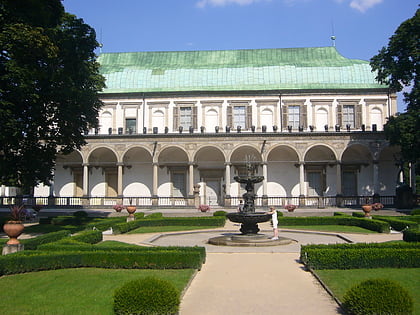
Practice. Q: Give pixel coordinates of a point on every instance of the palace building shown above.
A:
(177, 126)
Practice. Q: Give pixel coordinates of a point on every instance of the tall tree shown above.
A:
(398, 65)
(49, 84)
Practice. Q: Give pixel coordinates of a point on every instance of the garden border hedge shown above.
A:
(27, 261)
(411, 235)
(175, 221)
(370, 224)
(361, 258)
(361, 255)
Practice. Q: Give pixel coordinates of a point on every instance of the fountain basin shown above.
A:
(249, 220)
(259, 240)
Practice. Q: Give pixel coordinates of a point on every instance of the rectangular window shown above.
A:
(239, 116)
(348, 115)
(293, 116)
(131, 125)
(185, 117)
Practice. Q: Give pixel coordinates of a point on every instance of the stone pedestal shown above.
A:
(12, 248)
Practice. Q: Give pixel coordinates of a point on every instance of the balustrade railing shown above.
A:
(147, 202)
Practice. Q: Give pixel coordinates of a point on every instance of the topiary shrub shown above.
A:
(219, 213)
(377, 296)
(149, 295)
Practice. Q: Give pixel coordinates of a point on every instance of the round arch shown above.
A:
(138, 172)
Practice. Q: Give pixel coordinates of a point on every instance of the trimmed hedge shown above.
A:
(361, 255)
(370, 224)
(27, 261)
(393, 244)
(148, 295)
(362, 258)
(105, 224)
(80, 247)
(34, 243)
(219, 213)
(91, 237)
(176, 221)
(415, 212)
(411, 235)
(396, 223)
(156, 215)
(69, 220)
(377, 296)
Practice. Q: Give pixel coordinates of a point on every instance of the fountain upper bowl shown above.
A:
(248, 217)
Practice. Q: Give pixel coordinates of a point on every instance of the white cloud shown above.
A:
(363, 5)
(220, 3)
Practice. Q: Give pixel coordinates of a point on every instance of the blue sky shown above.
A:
(361, 27)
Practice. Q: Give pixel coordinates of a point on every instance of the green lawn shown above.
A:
(329, 228)
(73, 291)
(339, 281)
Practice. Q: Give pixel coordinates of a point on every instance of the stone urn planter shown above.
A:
(13, 230)
(131, 210)
(14, 227)
(367, 209)
(290, 208)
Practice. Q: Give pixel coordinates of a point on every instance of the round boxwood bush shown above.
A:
(377, 296)
(148, 295)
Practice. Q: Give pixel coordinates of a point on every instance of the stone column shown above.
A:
(227, 183)
(191, 183)
(191, 178)
(120, 179)
(338, 178)
(302, 191)
(155, 184)
(85, 179)
(264, 183)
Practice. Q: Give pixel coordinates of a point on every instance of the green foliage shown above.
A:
(27, 261)
(175, 221)
(396, 223)
(355, 256)
(219, 213)
(41, 91)
(105, 224)
(91, 237)
(373, 225)
(397, 65)
(411, 235)
(80, 214)
(378, 296)
(149, 295)
(70, 220)
(33, 243)
(415, 212)
(338, 214)
(156, 215)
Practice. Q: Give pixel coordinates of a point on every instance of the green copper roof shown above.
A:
(227, 70)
